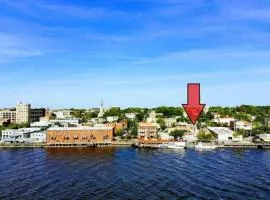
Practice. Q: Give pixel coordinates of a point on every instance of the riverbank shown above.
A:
(131, 143)
(43, 145)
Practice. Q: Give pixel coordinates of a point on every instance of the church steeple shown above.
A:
(101, 104)
(101, 110)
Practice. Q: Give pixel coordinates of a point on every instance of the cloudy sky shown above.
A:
(70, 53)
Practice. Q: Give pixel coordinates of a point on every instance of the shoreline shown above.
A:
(230, 146)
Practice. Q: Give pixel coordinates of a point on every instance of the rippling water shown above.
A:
(127, 173)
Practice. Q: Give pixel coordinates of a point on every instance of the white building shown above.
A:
(190, 137)
(66, 122)
(23, 135)
(131, 116)
(23, 113)
(112, 118)
(241, 125)
(170, 122)
(41, 124)
(265, 137)
(165, 136)
(152, 118)
(62, 114)
(38, 137)
(224, 120)
(225, 134)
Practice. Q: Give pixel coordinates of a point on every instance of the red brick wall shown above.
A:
(79, 136)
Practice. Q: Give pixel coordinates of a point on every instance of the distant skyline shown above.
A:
(134, 53)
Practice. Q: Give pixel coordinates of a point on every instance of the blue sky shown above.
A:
(67, 53)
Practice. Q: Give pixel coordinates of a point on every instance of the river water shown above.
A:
(128, 173)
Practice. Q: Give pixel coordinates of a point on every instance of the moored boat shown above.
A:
(177, 145)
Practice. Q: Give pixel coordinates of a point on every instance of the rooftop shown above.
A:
(79, 128)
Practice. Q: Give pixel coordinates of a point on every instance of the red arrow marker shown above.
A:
(193, 108)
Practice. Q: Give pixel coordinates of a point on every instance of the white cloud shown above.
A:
(13, 48)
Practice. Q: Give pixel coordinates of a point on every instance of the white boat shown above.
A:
(201, 145)
(163, 145)
(177, 145)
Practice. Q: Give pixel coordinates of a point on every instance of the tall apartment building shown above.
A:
(22, 114)
(147, 130)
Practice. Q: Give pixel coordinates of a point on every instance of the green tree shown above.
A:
(169, 111)
(119, 133)
(113, 112)
(140, 116)
(133, 127)
(162, 123)
(177, 134)
(204, 137)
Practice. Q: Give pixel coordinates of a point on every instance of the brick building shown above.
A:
(147, 131)
(79, 135)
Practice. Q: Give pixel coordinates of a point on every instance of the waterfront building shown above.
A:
(236, 125)
(23, 135)
(117, 126)
(147, 130)
(38, 137)
(190, 137)
(265, 137)
(225, 134)
(79, 135)
(165, 136)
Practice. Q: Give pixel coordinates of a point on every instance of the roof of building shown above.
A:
(146, 124)
(220, 130)
(79, 128)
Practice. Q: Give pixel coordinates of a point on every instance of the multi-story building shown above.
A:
(147, 130)
(235, 125)
(8, 114)
(23, 135)
(79, 135)
(36, 114)
(22, 114)
(62, 114)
